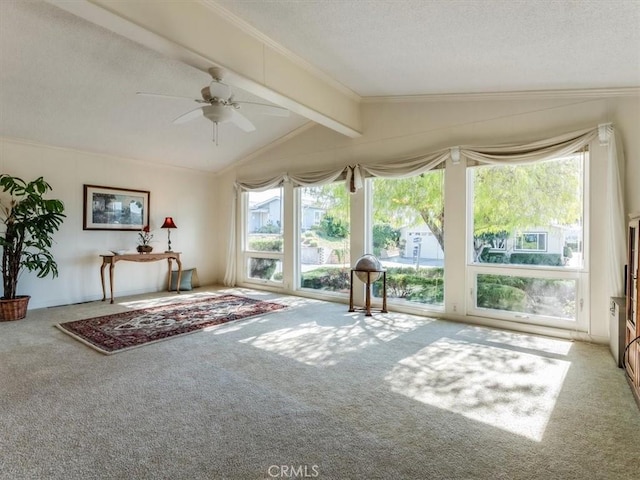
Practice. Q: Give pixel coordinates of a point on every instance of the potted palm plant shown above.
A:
(29, 220)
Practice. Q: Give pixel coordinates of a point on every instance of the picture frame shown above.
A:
(112, 208)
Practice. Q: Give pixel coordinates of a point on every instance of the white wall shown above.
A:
(185, 195)
(394, 130)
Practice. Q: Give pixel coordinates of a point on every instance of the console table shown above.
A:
(138, 257)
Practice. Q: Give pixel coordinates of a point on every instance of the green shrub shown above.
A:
(487, 256)
(424, 285)
(270, 227)
(399, 285)
(544, 296)
(554, 259)
(331, 227)
(501, 297)
(385, 236)
(326, 278)
(262, 268)
(431, 291)
(266, 244)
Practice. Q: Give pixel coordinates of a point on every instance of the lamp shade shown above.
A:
(168, 223)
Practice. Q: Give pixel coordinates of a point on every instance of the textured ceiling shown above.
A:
(413, 47)
(67, 82)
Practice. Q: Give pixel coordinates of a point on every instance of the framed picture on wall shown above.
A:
(110, 208)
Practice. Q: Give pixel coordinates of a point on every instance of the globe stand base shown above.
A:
(368, 282)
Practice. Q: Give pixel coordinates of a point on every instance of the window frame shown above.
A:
(245, 254)
(537, 234)
(400, 303)
(297, 241)
(579, 274)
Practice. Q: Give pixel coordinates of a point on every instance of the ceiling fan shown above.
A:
(219, 106)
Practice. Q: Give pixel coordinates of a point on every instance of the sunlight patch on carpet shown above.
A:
(318, 344)
(507, 389)
(165, 300)
(519, 340)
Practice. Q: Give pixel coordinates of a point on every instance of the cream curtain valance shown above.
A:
(541, 150)
(261, 185)
(492, 154)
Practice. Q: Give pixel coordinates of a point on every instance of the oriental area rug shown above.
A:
(123, 331)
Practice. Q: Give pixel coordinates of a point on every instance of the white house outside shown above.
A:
(269, 212)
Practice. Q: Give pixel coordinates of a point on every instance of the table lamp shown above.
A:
(168, 224)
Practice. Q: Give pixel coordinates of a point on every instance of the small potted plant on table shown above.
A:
(29, 220)
(144, 240)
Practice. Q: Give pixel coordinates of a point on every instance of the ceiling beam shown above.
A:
(197, 34)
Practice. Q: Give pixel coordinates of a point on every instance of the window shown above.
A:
(531, 241)
(534, 212)
(263, 239)
(324, 238)
(527, 295)
(408, 236)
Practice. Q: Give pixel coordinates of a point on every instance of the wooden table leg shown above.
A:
(384, 292)
(104, 292)
(368, 296)
(179, 274)
(179, 279)
(111, 273)
(351, 309)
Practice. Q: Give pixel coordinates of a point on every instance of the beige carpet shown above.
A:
(311, 391)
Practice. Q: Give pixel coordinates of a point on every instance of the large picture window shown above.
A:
(535, 213)
(324, 238)
(517, 240)
(263, 239)
(408, 236)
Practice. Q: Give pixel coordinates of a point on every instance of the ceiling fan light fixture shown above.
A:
(217, 113)
(220, 106)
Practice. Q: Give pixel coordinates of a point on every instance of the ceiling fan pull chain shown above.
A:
(215, 133)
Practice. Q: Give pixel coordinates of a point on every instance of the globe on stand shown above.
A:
(369, 269)
(368, 265)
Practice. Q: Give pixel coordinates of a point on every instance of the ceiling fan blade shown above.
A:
(264, 109)
(241, 121)
(191, 115)
(162, 95)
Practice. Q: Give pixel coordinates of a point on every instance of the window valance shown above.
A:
(354, 175)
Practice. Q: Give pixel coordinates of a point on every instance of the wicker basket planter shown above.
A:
(15, 309)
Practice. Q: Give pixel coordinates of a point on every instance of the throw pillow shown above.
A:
(185, 281)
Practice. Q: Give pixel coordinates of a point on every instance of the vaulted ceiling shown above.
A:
(69, 71)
